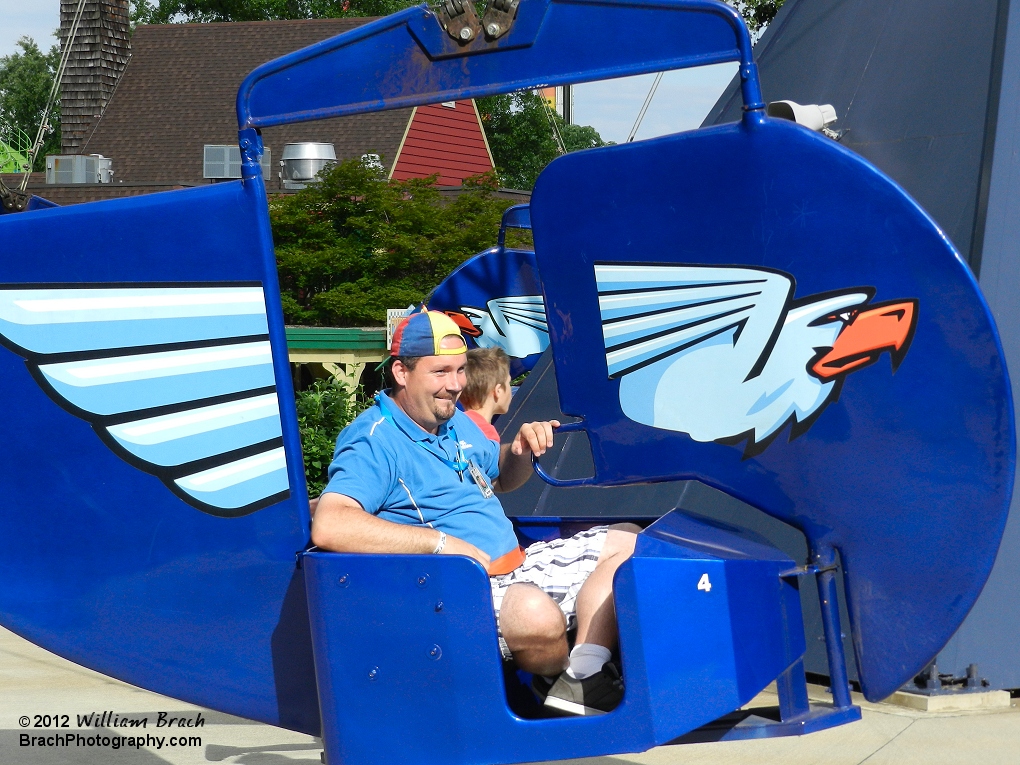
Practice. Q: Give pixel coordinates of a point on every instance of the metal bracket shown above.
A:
(13, 200)
(811, 569)
(499, 17)
(931, 682)
(459, 19)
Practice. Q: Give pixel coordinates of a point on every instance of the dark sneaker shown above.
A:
(594, 695)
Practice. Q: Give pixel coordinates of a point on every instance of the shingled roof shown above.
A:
(178, 90)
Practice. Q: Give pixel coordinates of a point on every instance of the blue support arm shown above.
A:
(407, 59)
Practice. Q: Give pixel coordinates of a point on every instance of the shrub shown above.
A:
(323, 410)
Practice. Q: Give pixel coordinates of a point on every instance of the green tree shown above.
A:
(25, 82)
(521, 139)
(355, 243)
(757, 13)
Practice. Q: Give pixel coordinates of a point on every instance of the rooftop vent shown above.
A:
(301, 162)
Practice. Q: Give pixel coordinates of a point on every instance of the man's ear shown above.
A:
(399, 372)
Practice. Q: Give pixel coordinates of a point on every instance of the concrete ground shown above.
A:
(35, 682)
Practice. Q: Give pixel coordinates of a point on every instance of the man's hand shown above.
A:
(534, 437)
(455, 546)
(515, 457)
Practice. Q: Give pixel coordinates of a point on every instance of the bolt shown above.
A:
(423, 581)
(439, 606)
(465, 34)
(344, 581)
(492, 29)
(436, 652)
(373, 673)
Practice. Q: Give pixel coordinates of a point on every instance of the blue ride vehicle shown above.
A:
(719, 306)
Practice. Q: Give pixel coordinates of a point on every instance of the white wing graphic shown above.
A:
(178, 381)
(516, 324)
(651, 312)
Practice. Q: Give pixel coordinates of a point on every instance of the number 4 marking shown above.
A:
(704, 583)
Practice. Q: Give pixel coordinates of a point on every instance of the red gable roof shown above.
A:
(444, 138)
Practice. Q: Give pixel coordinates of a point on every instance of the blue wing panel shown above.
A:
(866, 403)
(167, 559)
(496, 296)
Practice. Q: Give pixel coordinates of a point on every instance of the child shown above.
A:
(487, 392)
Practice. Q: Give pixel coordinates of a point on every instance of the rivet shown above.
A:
(373, 673)
(344, 581)
(423, 581)
(439, 606)
(436, 653)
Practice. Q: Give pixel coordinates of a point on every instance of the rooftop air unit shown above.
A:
(223, 161)
(301, 162)
(79, 168)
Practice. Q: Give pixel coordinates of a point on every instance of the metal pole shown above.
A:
(568, 104)
(54, 89)
(828, 599)
(644, 107)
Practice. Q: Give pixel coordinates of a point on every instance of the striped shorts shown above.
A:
(558, 568)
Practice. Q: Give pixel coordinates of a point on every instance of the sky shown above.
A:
(681, 101)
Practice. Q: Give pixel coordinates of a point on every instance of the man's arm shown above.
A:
(515, 458)
(341, 524)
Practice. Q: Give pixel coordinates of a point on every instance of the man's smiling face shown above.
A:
(428, 393)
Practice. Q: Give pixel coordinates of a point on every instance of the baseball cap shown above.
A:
(422, 333)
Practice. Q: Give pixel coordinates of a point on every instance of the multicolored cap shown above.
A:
(422, 333)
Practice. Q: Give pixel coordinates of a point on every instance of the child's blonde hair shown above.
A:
(486, 368)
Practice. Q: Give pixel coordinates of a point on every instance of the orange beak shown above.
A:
(462, 321)
(885, 327)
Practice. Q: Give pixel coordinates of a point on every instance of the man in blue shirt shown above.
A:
(413, 474)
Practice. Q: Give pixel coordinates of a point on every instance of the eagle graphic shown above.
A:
(726, 354)
(516, 324)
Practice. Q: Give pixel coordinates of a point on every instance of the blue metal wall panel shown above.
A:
(989, 635)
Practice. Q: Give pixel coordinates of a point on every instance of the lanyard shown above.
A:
(460, 465)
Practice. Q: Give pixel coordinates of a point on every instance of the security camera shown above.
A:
(812, 116)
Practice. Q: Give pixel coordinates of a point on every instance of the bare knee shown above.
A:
(530, 613)
(534, 629)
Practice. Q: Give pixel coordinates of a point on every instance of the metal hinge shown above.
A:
(459, 19)
(499, 17)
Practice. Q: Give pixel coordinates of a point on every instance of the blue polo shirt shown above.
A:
(392, 467)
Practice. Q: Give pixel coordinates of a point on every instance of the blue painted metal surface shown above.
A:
(211, 609)
(496, 298)
(142, 374)
(518, 216)
(674, 320)
(412, 640)
(407, 60)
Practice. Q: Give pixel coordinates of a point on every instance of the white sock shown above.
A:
(587, 659)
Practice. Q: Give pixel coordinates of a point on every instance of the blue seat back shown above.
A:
(757, 308)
